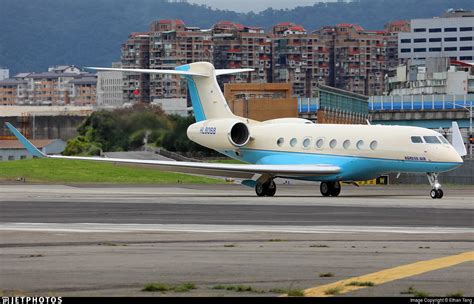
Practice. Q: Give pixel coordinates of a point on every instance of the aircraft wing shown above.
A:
(216, 169)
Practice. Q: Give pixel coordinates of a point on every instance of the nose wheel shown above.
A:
(267, 188)
(330, 188)
(436, 191)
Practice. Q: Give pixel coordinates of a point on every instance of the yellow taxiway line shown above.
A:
(388, 275)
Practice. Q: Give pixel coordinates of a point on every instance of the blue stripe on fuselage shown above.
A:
(195, 99)
(352, 167)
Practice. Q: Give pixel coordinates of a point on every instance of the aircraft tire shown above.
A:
(440, 193)
(326, 188)
(434, 193)
(261, 189)
(271, 188)
(336, 189)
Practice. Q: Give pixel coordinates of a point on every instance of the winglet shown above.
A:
(458, 142)
(25, 142)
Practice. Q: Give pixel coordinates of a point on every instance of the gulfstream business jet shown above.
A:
(295, 148)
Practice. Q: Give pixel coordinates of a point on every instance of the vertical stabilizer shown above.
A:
(206, 96)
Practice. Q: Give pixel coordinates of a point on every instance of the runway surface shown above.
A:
(109, 240)
(165, 211)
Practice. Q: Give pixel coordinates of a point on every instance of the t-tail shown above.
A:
(206, 95)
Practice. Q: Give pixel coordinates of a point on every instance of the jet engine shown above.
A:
(220, 134)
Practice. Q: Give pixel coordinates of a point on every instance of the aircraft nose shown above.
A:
(455, 157)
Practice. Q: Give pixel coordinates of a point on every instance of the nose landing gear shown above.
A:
(436, 191)
(330, 188)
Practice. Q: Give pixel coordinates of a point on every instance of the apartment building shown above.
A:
(172, 43)
(12, 91)
(238, 46)
(300, 58)
(49, 88)
(358, 58)
(391, 52)
(83, 91)
(136, 54)
(451, 35)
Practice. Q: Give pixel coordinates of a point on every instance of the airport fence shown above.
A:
(420, 102)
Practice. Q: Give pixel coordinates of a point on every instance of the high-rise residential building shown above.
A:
(238, 46)
(4, 73)
(136, 54)
(359, 58)
(172, 43)
(391, 53)
(344, 56)
(300, 58)
(451, 35)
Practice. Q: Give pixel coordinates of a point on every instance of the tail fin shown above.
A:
(206, 96)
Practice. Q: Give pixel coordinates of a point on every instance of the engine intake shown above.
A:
(239, 134)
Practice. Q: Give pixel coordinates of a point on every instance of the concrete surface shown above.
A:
(111, 241)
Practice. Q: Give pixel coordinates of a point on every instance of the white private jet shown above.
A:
(295, 148)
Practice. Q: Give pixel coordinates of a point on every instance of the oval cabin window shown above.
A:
(360, 144)
(333, 143)
(319, 143)
(293, 142)
(346, 144)
(306, 143)
(373, 145)
(280, 141)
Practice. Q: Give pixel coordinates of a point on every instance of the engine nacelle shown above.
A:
(220, 134)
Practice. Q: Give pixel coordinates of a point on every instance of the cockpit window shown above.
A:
(444, 140)
(416, 140)
(431, 140)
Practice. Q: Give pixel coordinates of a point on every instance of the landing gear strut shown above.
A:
(330, 188)
(436, 191)
(267, 188)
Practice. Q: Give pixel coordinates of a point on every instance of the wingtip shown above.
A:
(25, 142)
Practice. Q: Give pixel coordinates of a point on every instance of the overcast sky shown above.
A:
(255, 5)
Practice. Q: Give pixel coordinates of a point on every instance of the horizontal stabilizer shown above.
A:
(232, 71)
(219, 72)
(150, 71)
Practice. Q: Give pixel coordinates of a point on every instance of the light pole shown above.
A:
(470, 121)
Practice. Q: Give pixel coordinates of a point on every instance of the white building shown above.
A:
(171, 106)
(65, 69)
(109, 89)
(436, 76)
(449, 36)
(4, 73)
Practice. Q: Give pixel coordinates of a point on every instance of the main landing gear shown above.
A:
(267, 188)
(330, 188)
(436, 191)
